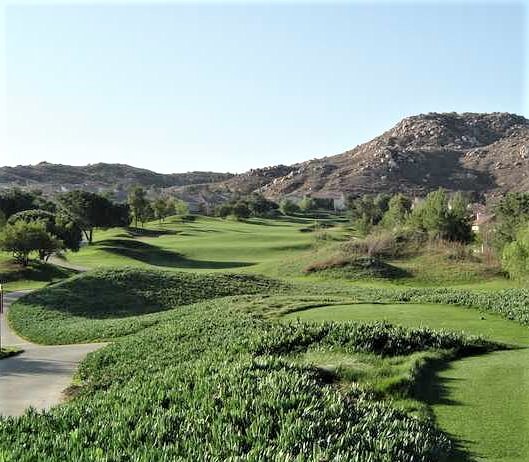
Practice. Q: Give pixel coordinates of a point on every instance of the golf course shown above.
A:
(206, 300)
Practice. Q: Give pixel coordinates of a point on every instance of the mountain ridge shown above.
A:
(483, 153)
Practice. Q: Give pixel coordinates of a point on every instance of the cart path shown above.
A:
(38, 376)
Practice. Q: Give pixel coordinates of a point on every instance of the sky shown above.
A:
(229, 86)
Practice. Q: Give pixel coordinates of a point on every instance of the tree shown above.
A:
(442, 217)
(260, 206)
(512, 212)
(399, 208)
(288, 207)
(139, 204)
(224, 210)
(307, 204)
(2, 219)
(159, 206)
(57, 225)
(367, 211)
(22, 238)
(240, 210)
(180, 208)
(515, 256)
(15, 200)
(89, 210)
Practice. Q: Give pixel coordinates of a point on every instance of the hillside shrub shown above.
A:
(515, 258)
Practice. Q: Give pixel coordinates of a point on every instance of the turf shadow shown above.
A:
(153, 255)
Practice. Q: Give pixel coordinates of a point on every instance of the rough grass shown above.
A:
(212, 382)
(109, 303)
(482, 399)
(357, 268)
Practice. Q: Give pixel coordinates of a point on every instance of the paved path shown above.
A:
(38, 376)
(63, 263)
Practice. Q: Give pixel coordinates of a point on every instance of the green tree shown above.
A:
(442, 217)
(159, 206)
(240, 210)
(260, 206)
(89, 210)
(22, 238)
(57, 225)
(367, 211)
(512, 212)
(180, 208)
(16, 200)
(515, 256)
(288, 207)
(139, 204)
(307, 204)
(146, 214)
(224, 210)
(399, 209)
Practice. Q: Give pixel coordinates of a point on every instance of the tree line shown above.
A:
(31, 223)
(445, 216)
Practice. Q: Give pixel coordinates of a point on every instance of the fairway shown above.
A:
(473, 399)
(200, 244)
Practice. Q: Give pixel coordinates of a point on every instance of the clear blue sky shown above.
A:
(230, 86)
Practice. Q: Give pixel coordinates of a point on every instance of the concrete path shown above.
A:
(63, 263)
(38, 376)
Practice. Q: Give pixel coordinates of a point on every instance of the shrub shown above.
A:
(23, 238)
(288, 207)
(515, 258)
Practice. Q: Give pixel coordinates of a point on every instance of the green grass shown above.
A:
(215, 381)
(203, 244)
(16, 277)
(9, 351)
(109, 303)
(482, 400)
(436, 316)
(163, 345)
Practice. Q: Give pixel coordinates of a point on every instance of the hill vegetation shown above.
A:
(484, 154)
(216, 381)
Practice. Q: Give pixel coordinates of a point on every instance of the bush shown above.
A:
(24, 238)
(515, 258)
(288, 207)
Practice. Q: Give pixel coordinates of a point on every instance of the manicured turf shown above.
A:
(36, 275)
(482, 400)
(204, 244)
(105, 304)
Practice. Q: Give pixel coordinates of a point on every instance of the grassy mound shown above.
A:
(37, 274)
(105, 304)
(213, 383)
(357, 268)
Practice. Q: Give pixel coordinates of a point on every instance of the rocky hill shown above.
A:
(487, 154)
(483, 153)
(98, 177)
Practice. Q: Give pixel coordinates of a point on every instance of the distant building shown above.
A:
(482, 221)
(483, 226)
